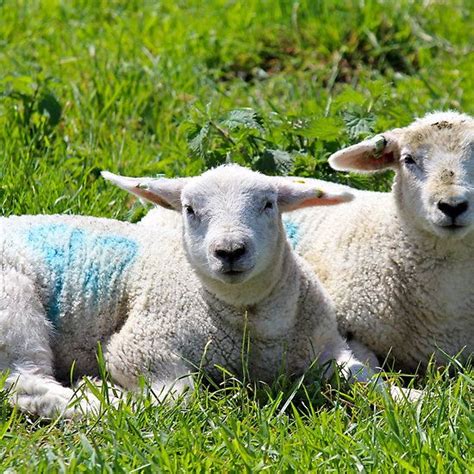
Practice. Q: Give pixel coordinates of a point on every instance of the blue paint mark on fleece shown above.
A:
(89, 263)
(292, 232)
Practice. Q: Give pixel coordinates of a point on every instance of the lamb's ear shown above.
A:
(295, 193)
(162, 191)
(375, 154)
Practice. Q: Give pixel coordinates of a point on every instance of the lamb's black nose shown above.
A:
(453, 210)
(230, 255)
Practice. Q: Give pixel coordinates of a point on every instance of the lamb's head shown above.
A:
(232, 227)
(434, 161)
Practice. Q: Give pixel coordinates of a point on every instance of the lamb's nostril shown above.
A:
(238, 252)
(222, 254)
(230, 255)
(453, 210)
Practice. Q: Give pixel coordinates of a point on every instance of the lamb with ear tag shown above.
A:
(159, 306)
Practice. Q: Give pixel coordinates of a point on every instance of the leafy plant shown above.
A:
(276, 144)
(33, 105)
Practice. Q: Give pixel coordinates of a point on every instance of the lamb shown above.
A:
(158, 306)
(399, 265)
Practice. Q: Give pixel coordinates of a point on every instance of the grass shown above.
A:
(174, 87)
(230, 430)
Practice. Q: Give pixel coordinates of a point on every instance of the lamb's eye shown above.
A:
(268, 205)
(189, 210)
(409, 160)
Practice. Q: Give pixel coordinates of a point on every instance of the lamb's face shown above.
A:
(232, 226)
(434, 162)
(435, 179)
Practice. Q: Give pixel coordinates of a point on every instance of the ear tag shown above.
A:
(318, 193)
(380, 144)
(299, 181)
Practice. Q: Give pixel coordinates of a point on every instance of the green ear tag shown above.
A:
(300, 181)
(380, 144)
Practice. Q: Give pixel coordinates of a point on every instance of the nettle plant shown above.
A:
(276, 144)
(31, 104)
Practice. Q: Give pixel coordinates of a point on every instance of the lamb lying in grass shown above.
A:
(162, 307)
(400, 265)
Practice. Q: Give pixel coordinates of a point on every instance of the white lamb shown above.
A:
(400, 265)
(158, 307)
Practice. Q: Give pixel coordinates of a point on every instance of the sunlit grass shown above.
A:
(127, 86)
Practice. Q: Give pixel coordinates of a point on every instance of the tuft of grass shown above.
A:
(173, 87)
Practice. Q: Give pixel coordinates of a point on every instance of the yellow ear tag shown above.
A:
(300, 181)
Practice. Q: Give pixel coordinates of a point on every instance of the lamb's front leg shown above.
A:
(332, 347)
(25, 351)
(171, 383)
(357, 363)
(364, 364)
(133, 352)
(43, 396)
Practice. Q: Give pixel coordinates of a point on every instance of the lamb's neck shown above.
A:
(276, 314)
(267, 307)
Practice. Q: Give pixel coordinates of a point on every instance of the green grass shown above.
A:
(230, 430)
(174, 87)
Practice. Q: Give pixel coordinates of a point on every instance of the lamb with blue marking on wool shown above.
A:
(158, 306)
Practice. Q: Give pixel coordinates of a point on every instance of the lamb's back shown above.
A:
(80, 267)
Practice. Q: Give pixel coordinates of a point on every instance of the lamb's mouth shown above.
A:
(233, 272)
(453, 227)
(454, 230)
(234, 275)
